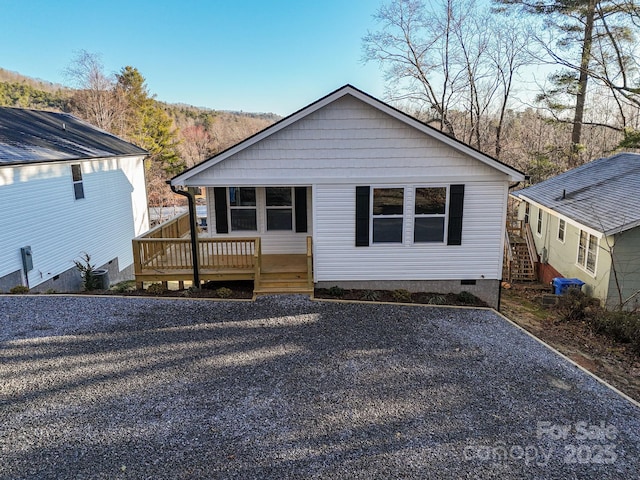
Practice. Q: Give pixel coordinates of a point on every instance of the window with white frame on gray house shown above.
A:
(76, 176)
(242, 208)
(539, 226)
(562, 227)
(587, 251)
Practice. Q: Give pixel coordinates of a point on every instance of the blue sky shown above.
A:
(259, 56)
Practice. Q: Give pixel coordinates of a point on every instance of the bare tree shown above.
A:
(415, 49)
(452, 60)
(95, 100)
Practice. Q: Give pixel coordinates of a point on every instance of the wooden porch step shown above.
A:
(273, 290)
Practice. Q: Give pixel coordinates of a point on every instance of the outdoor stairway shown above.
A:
(282, 282)
(522, 268)
(282, 274)
(520, 256)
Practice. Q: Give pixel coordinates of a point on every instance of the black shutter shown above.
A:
(220, 199)
(300, 197)
(362, 216)
(456, 206)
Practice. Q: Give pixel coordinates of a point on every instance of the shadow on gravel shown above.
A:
(288, 388)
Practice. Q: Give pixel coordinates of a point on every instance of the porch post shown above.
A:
(193, 233)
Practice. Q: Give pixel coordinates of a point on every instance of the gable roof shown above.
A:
(603, 194)
(34, 136)
(513, 173)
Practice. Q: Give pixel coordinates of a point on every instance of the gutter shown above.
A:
(193, 230)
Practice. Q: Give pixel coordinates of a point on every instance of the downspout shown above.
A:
(192, 232)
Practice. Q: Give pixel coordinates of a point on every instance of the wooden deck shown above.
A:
(161, 259)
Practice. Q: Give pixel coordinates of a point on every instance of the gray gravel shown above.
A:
(289, 388)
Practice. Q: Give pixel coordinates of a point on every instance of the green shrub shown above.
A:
(576, 305)
(86, 269)
(223, 292)
(126, 286)
(155, 289)
(466, 297)
(401, 295)
(623, 327)
(370, 295)
(336, 291)
(51, 291)
(19, 289)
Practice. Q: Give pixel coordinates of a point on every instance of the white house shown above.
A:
(586, 225)
(388, 201)
(66, 188)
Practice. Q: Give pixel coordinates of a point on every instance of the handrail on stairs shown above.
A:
(508, 254)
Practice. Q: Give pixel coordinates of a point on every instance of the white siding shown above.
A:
(479, 257)
(40, 210)
(346, 140)
(272, 242)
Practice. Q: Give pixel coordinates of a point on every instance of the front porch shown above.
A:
(164, 254)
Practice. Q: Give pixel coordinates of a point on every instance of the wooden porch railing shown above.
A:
(309, 263)
(177, 227)
(165, 259)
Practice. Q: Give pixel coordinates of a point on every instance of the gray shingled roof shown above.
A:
(33, 136)
(603, 194)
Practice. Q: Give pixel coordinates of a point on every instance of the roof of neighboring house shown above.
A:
(603, 194)
(513, 173)
(34, 136)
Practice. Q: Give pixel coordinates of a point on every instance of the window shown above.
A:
(562, 226)
(526, 212)
(279, 208)
(539, 227)
(430, 207)
(587, 251)
(388, 209)
(242, 208)
(76, 176)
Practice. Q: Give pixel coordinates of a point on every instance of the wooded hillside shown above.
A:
(177, 136)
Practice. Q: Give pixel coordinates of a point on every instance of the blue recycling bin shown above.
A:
(561, 285)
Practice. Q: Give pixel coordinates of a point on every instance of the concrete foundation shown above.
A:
(68, 281)
(486, 290)
(11, 280)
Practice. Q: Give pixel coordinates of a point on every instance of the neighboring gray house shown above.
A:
(387, 201)
(586, 224)
(66, 188)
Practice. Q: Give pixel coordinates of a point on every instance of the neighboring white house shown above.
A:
(586, 225)
(66, 188)
(389, 201)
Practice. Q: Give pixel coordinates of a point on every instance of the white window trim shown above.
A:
(243, 207)
(402, 216)
(539, 223)
(586, 254)
(564, 233)
(291, 207)
(76, 182)
(445, 215)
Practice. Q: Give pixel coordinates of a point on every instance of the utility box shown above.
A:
(27, 259)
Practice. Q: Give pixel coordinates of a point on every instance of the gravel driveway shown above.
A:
(289, 388)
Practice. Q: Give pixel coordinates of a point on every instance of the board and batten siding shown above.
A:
(40, 210)
(479, 257)
(344, 142)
